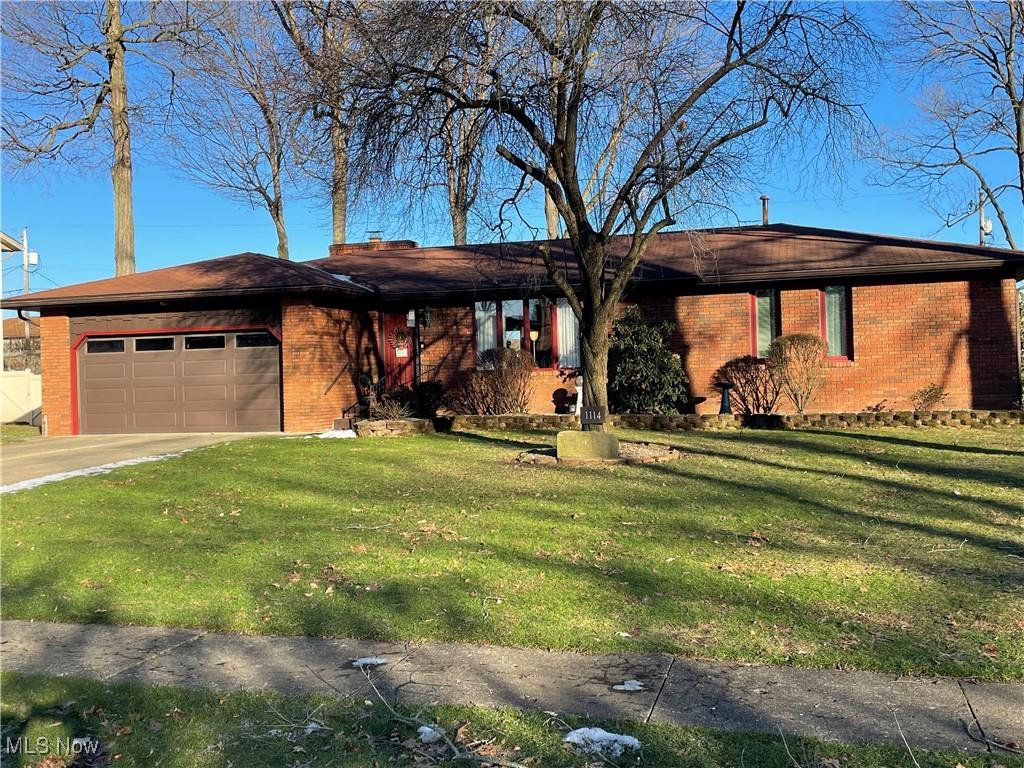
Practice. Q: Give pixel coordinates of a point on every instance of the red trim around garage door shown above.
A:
(128, 332)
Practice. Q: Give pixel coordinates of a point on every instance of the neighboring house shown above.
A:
(248, 342)
(21, 344)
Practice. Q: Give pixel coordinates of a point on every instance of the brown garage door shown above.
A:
(209, 382)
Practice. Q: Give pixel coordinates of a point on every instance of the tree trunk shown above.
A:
(551, 213)
(339, 180)
(459, 223)
(276, 209)
(121, 167)
(594, 361)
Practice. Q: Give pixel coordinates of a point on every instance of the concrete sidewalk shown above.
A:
(834, 705)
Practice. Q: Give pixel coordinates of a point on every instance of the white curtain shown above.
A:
(486, 326)
(568, 336)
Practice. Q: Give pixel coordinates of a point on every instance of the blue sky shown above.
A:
(69, 215)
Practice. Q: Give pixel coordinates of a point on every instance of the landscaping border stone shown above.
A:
(955, 419)
(393, 427)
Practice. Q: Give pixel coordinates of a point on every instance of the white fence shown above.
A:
(21, 397)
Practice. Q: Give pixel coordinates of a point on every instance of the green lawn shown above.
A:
(895, 550)
(15, 433)
(177, 728)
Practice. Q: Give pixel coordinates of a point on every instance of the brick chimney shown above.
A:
(374, 243)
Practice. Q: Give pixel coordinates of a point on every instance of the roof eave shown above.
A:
(29, 303)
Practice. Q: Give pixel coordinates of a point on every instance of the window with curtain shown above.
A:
(512, 320)
(540, 332)
(486, 326)
(766, 320)
(837, 320)
(568, 329)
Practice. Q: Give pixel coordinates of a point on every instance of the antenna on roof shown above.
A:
(764, 210)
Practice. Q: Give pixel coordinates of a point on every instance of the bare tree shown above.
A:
(232, 124)
(969, 124)
(687, 93)
(321, 36)
(66, 92)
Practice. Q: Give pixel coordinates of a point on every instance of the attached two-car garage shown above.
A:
(187, 382)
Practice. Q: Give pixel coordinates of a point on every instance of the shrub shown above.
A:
(926, 398)
(389, 409)
(644, 376)
(423, 399)
(798, 360)
(755, 387)
(502, 383)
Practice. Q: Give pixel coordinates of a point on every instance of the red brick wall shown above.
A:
(55, 362)
(447, 347)
(323, 352)
(958, 334)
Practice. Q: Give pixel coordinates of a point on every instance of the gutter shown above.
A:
(28, 303)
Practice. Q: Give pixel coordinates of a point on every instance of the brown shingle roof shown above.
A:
(15, 328)
(727, 255)
(398, 270)
(244, 273)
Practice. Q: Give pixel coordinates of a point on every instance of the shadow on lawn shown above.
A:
(876, 437)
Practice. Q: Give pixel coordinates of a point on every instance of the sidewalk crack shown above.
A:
(157, 655)
(664, 682)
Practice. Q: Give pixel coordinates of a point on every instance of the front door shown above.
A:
(399, 349)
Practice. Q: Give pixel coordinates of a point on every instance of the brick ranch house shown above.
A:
(249, 342)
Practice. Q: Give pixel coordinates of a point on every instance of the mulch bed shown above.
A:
(629, 453)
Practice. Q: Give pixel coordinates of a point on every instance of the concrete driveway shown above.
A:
(38, 459)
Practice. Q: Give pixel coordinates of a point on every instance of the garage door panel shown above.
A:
(109, 422)
(107, 395)
(180, 389)
(205, 393)
(97, 371)
(207, 419)
(255, 418)
(158, 421)
(206, 367)
(154, 370)
(160, 395)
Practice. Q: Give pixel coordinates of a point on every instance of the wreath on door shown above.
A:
(399, 338)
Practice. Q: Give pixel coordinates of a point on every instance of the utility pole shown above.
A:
(29, 259)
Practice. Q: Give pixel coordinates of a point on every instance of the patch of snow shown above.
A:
(629, 685)
(430, 734)
(370, 661)
(102, 469)
(623, 634)
(314, 727)
(334, 434)
(598, 741)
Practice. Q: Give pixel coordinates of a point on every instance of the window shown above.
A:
(103, 346)
(540, 332)
(245, 340)
(765, 319)
(568, 335)
(204, 342)
(512, 324)
(549, 332)
(486, 326)
(151, 344)
(836, 320)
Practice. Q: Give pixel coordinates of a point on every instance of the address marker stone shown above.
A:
(587, 445)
